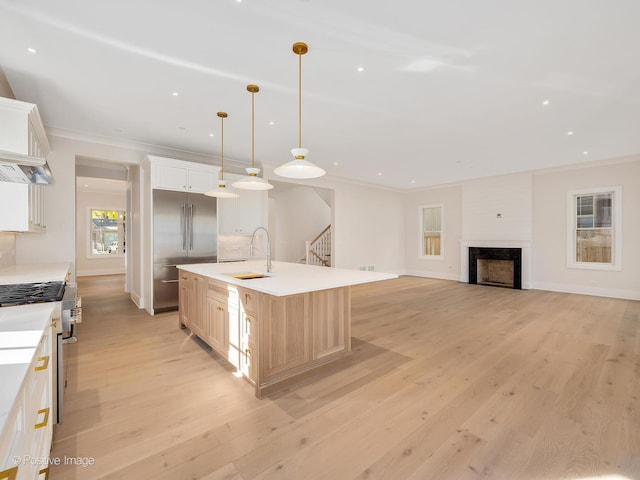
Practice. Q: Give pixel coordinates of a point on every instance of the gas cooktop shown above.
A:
(24, 293)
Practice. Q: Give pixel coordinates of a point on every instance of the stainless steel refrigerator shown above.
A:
(184, 231)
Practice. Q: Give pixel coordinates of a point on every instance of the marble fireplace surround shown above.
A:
(525, 246)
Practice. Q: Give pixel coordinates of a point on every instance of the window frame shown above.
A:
(121, 234)
(421, 255)
(616, 228)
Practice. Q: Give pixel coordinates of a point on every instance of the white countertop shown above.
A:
(286, 278)
(21, 329)
(36, 272)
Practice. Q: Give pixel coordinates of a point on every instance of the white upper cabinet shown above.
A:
(241, 215)
(179, 175)
(21, 129)
(27, 211)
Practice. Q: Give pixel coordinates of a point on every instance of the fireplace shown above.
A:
(498, 267)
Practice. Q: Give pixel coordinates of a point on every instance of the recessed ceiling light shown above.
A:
(181, 128)
(569, 133)
(86, 185)
(379, 174)
(211, 135)
(32, 51)
(361, 69)
(413, 181)
(335, 163)
(585, 153)
(272, 123)
(175, 94)
(545, 102)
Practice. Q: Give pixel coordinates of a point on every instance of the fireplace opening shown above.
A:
(497, 267)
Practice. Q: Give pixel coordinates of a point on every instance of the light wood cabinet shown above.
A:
(27, 211)
(191, 302)
(273, 341)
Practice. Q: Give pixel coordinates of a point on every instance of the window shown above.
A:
(431, 231)
(594, 236)
(107, 228)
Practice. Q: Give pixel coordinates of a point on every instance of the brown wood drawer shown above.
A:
(217, 289)
(249, 300)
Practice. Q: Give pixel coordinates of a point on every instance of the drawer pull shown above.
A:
(45, 364)
(54, 324)
(44, 471)
(247, 319)
(10, 474)
(221, 309)
(247, 296)
(45, 421)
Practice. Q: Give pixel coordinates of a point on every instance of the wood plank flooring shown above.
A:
(446, 381)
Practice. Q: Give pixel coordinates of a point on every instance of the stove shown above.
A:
(25, 293)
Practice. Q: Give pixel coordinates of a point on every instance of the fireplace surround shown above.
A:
(503, 257)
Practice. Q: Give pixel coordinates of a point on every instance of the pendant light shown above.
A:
(299, 168)
(221, 190)
(253, 181)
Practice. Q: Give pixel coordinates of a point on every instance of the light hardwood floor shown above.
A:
(446, 381)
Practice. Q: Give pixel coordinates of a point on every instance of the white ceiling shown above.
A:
(450, 89)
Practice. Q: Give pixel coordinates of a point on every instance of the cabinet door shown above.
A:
(331, 311)
(285, 334)
(201, 181)
(27, 207)
(217, 318)
(248, 355)
(196, 302)
(227, 208)
(250, 210)
(170, 177)
(183, 299)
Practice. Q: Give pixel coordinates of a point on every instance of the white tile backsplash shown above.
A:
(232, 247)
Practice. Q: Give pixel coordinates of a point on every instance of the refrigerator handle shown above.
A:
(183, 225)
(191, 226)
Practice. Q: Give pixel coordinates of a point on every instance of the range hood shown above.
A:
(20, 168)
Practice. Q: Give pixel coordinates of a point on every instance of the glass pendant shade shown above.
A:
(300, 167)
(252, 181)
(221, 190)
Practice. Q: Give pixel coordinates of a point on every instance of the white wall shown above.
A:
(7, 249)
(86, 264)
(299, 214)
(550, 271)
(497, 208)
(448, 266)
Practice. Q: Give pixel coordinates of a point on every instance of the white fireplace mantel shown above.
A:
(526, 256)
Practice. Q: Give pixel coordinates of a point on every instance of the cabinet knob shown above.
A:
(53, 324)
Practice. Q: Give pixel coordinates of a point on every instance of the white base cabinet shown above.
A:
(25, 442)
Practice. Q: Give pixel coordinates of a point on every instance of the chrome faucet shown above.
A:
(253, 236)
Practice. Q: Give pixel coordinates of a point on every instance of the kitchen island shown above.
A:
(276, 328)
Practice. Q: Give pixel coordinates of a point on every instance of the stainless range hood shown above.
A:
(20, 168)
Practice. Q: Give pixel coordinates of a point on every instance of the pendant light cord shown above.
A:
(299, 100)
(222, 146)
(253, 96)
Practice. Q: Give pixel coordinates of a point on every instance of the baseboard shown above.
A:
(105, 271)
(588, 290)
(439, 275)
(135, 298)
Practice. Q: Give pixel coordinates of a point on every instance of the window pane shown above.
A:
(431, 244)
(593, 246)
(585, 205)
(585, 222)
(431, 230)
(107, 232)
(431, 219)
(603, 210)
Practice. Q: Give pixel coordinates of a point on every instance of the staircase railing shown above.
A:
(318, 250)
